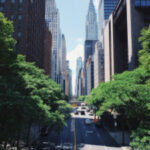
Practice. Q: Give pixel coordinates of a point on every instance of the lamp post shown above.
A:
(115, 122)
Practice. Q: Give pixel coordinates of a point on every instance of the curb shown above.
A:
(125, 148)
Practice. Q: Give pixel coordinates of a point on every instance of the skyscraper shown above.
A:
(89, 49)
(79, 66)
(98, 64)
(91, 23)
(33, 39)
(106, 7)
(53, 23)
(63, 53)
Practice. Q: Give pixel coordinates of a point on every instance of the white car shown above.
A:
(91, 113)
(88, 121)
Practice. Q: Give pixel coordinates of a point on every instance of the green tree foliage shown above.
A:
(81, 98)
(27, 95)
(129, 95)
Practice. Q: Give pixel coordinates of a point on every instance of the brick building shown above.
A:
(30, 29)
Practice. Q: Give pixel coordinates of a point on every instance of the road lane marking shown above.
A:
(75, 146)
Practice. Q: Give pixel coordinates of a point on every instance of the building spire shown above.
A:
(91, 23)
(91, 6)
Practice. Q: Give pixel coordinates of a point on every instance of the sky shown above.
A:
(72, 22)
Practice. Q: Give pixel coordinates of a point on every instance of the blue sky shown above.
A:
(72, 22)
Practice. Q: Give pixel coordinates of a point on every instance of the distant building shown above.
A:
(121, 35)
(47, 52)
(30, 30)
(53, 23)
(79, 66)
(90, 74)
(80, 89)
(89, 49)
(68, 80)
(91, 23)
(98, 64)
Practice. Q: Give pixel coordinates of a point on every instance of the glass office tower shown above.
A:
(106, 7)
(142, 3)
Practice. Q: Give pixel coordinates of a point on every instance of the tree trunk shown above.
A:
(123, 133)
(18, 141)
(28, 133)
(5, 145)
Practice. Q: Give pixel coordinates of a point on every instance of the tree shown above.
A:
(129, 95)
(27, 95)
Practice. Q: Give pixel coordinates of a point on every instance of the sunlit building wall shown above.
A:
(53, 22)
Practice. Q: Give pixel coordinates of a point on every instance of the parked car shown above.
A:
(88, 109)
(44, 131)
(76, 112)
(83, 107)
(82, 112)
(99, 124)
(88, 121)
(91, 113)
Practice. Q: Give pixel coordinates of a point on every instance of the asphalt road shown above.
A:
(79, 136)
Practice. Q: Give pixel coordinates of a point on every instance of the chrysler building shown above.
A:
(91, 23)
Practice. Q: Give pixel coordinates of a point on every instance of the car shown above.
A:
(99, 124)
(91, 113)
(82, 112)
(76, 112)
(82, 104)
(44, 131)
(88, 110)
(88, 121)
(83, 107)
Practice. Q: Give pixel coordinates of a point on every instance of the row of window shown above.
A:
(142, 2)
(13, 1)
(12, 8)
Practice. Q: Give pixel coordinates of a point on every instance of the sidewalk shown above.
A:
(125, 148)
(117, 136)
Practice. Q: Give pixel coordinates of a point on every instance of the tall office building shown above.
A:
(121, 35)
(106, 7)
(79, 65)
(68, 80)
(63, 63)
(91, 23)
(89, 49)
(63, 53)
(33, 39)
(89, 75)
(98, 64)
(53, 23)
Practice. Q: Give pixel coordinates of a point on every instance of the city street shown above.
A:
(79, 136)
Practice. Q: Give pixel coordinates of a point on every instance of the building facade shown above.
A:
(91, 23)
(90, 74)
(121, 36)
(53, 22)
(28, 17)
(68, 80)
(106, 7)
(89, 49)
(98, 64)
(79, 66)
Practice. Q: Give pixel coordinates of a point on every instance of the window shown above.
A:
(20, 8)
(1, 8)
(19, 34)
(13, 1)
(20, 1)
(2, 1)
(11, 17)
(20, 17)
